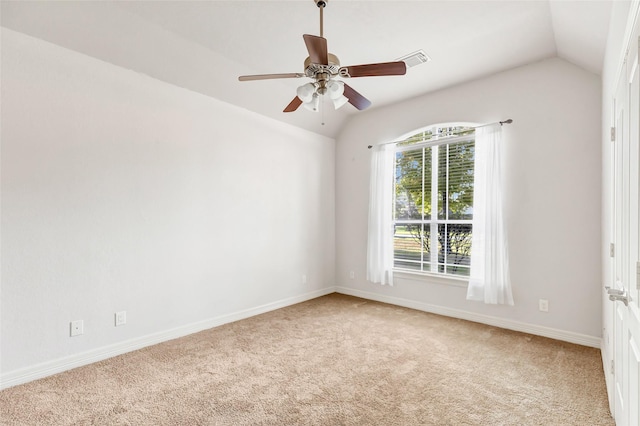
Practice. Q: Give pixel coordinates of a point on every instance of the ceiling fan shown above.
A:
(324, 69)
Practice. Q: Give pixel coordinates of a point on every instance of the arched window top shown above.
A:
(437, 132)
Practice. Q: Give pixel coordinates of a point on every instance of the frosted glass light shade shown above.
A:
(314, 104)
(335, 89)
(337, 103)
(306, 92)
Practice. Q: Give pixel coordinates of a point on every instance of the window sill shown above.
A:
(431, 278)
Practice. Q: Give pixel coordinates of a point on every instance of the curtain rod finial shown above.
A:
(370, 146)
(509, 121)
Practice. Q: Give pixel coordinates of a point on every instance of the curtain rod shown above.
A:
(502, 123)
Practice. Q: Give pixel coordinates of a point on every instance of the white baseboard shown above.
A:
(45, 369)
(60, 365)
(567, 336)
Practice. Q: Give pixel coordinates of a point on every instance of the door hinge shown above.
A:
(613, 134)
(613, 367)
(612, 250)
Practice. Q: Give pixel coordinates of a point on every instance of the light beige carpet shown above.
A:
(335, 360)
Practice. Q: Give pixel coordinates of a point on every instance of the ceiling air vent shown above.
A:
(415, 58)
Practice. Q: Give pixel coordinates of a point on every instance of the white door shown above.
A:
(617, 284)
(626, 234)
(632, 164)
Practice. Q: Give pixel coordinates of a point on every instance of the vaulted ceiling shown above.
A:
(205, 45)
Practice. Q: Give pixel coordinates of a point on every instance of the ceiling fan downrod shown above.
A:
(321, 5)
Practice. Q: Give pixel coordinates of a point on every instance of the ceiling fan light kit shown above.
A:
(324, 69)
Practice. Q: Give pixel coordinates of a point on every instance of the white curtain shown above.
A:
(489, 278)
(380, 235)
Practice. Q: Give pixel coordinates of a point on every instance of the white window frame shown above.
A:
(436, 142)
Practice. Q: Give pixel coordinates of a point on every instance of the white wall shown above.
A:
(552, 152)
(121, 192)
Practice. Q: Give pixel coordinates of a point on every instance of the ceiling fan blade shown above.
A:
(270, 76)
(355, 98)
(317, 47)
(293, 105)
(374, 70)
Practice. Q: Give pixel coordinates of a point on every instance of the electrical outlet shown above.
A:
(352, 275)
(543, 305)
(121, 318)
(77, 328)
(304, 279)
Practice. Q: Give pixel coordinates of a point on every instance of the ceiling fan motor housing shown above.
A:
(311, 69)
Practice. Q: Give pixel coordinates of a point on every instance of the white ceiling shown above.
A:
(204, 45)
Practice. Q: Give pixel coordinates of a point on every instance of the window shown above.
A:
(433, 201)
